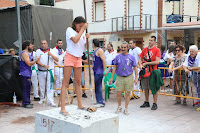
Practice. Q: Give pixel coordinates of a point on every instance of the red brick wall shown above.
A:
(93, 9)
(8, 3)
(125, 14)
(160, 13)
(141, 9)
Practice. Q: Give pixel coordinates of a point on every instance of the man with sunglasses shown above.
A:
(150, 57)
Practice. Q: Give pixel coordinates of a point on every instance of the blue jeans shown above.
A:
(98, 88)
(82, 79)
(195, 83)
(26, 82)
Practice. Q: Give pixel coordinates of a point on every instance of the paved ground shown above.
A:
(168, 118)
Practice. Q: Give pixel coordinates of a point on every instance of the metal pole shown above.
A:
(90, 82)
(122, 23)
(133, 22)
(112, 25)
(19, 27)
(117, 24)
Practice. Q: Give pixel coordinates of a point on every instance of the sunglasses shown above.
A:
(178, 50)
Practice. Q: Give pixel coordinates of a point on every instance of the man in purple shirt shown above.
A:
(124, 64)
(25, 72)
(99, 66)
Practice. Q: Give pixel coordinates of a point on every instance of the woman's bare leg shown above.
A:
(65, 85)
(77, 79)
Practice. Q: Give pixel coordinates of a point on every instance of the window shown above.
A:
(99, 11)
(47, 2)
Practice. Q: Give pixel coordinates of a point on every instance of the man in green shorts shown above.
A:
(124, 64)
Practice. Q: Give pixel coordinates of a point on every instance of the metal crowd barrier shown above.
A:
(190, 96)
(188, 78)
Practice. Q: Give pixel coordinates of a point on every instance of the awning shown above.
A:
(179, 26)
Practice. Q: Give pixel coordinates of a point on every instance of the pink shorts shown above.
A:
(73, 61)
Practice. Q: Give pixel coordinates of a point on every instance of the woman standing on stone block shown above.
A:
(76, 43)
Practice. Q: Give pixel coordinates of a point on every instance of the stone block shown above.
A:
(50, 121)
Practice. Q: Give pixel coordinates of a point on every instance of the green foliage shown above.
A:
(47, 2)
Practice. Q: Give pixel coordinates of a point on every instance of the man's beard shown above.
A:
(30, 50)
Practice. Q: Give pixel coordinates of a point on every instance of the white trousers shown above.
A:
(59, 78)
(42, 83)
(34, 80)
(136, 87)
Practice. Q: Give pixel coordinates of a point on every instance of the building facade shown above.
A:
(114, 21)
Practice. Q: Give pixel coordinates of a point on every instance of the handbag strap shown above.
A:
(149, 58)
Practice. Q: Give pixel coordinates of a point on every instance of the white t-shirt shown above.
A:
(44, 59)
(110, 56)
(171, 55)
(72, 48)
(135, 52)
(60, 57)
(34, 58)
(196, 63)
(188, 52)
(166, 57)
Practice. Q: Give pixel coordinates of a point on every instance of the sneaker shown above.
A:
(36, 99)
(162, 91)
(52, 104)
(28, 106)
(41, 101)
(99, 105)
(154, 107)
(55, 94)
(166, 90)
(177, 102)
(119, 109)
(145, 104)
(84, 95)
(111, 92)
(184, 103)
(167, 86)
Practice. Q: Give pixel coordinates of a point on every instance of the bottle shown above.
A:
(14, 99)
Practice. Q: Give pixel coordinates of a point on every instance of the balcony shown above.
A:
(131, 23)
(181, 18)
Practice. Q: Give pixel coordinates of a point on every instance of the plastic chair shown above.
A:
(107, 85)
